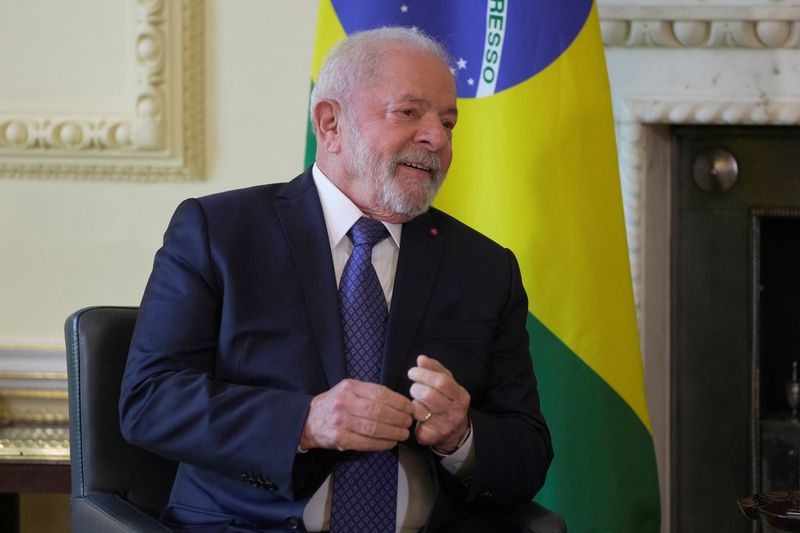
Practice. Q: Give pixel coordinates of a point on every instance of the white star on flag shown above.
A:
(462, 63)
(470, 81)
(452, 71)
(404, 8)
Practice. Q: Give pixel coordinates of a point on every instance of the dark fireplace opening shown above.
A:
(777, 245)
(735, 314)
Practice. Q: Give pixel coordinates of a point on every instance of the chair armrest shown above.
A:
(104, 511)
(537, 518)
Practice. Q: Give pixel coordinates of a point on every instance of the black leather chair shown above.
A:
(117, 486)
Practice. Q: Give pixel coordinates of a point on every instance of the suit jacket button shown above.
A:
(292, 522)
(487, 493)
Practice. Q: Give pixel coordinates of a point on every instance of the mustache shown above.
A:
(421, 158)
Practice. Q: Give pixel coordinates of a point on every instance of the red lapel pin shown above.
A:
(434, 232)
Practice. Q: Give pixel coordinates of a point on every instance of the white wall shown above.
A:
(69, 244)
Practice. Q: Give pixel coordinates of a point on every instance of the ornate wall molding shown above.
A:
(700, 26)
(33, 385)
(640, 111)
(630, 153)
(672, 110)
(33, 406)
(162, 135)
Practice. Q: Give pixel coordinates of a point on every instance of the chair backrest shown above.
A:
(98, 339)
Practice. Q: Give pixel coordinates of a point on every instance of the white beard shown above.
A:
(390, 193)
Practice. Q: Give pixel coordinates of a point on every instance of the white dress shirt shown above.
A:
(415, 486)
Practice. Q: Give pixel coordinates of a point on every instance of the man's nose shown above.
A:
(433, 134)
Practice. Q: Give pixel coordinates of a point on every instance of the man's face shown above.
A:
(397, 136)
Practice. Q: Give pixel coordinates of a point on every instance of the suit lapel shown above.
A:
(304, 225)
(421, 250)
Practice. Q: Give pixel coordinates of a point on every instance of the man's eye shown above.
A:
(448, 124)
(407, 112)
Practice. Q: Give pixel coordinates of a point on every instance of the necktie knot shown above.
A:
(367, 231)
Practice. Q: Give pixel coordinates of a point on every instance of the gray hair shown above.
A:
(357, 58)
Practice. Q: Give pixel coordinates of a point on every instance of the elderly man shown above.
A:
(332, 353)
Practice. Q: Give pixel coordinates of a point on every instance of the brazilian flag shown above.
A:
(535, 169)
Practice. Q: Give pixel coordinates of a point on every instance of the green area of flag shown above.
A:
(603, 477)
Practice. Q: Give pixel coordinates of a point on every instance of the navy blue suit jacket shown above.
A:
(239, 329)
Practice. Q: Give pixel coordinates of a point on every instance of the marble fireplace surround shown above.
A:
(731, 62)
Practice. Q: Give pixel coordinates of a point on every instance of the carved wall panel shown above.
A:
(755, 24)
(161, 134)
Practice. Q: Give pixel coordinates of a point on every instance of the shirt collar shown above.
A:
(340, 212)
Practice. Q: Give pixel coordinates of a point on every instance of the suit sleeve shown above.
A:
(513, 447)
(171, 402)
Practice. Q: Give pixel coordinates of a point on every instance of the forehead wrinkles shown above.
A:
(375, 80)
(378, 63)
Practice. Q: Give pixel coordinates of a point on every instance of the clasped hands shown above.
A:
(355, 415)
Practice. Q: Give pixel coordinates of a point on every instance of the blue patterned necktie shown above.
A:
(364, 483)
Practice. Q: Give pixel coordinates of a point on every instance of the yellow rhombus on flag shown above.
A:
(535, 169)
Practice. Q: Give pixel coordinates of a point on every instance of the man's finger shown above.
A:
(438, 381)
(436, 402)
(422, 412)
(375, 429)
(374, 410)
(427, 362)
(380, 393)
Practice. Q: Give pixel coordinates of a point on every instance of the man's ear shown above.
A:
(326, 118)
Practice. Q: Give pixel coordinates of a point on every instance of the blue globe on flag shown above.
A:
(495, 44)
